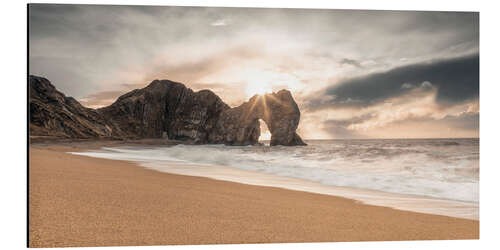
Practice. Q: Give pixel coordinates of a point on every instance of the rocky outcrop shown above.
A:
(165, 109)
(53, 114)
(240, 125)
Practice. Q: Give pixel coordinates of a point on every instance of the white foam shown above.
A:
(416, 172)
(294, 171)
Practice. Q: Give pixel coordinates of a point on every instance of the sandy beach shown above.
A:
(78, 201)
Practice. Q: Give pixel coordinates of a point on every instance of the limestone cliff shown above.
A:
(53, 114)
(165, 109)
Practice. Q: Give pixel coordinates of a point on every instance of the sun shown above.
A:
(258, 82)
(259, 88)
(262, 81)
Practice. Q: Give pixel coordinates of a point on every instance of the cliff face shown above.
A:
(54, 114)
(164, 109)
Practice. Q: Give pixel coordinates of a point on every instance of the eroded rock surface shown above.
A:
(53, 114)
(165, 109)
(240, 125)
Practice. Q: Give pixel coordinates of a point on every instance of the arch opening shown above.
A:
(265, 134)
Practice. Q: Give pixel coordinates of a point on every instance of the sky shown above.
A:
(353, 73)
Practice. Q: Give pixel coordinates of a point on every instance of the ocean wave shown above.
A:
(418, 167)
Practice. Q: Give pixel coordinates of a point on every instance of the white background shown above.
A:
(13, 123)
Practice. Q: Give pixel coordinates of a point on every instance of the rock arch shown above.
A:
(240, 125)
(164, 109)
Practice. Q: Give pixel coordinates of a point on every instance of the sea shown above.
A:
(437, 176)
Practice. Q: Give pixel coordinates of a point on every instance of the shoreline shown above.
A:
(404, 202)
(407, 202)
(84, 201)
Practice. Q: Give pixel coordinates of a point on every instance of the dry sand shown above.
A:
(81, 201)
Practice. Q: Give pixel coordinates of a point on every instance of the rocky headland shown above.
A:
(164, 109)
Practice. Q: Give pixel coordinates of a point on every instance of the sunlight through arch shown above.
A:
(265, 134)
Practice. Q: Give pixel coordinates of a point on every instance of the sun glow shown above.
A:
(258, 82)
(259, 88)
(265, 134)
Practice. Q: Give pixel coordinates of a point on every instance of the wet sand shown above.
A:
(82, 201)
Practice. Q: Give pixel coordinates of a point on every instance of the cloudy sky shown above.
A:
(353, 73)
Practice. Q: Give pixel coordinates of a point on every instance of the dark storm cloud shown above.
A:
(349, 121)
(340, 132)
(457, 80)
(339, 128)
(466, 121)
(351, 62)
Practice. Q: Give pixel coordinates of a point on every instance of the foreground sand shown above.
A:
(82, 201)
